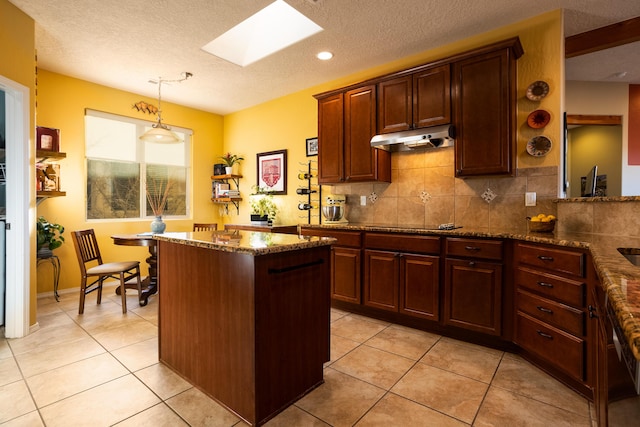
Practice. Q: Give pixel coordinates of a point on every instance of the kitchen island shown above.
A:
(244, 316)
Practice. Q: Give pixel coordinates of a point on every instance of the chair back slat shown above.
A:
(86, 248)
(199, 226)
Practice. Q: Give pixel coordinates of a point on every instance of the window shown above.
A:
(122, 169)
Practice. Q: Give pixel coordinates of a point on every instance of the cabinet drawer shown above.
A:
(560, 348)
(554, 313)
(565, 290)
(345, 238)
(554, 259)
(402, 243)
(475, 248)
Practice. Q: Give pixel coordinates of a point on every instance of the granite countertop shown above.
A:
(619, 278)
(247, 242)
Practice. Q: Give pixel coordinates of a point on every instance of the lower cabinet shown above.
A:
(402, 274)
(473, 285)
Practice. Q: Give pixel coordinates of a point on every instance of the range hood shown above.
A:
(434, 137)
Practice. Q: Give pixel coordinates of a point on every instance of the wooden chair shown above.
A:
(204, 226)
(91, 266)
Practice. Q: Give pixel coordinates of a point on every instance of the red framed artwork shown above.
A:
(47, 139)
(272, 171)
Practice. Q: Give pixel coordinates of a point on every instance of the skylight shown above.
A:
(270, 30)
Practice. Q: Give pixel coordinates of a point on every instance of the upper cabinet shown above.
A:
(346, 124)
(484, 100)
(415, 101)
(475, 91)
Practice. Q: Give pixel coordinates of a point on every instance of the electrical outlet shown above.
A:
(530, 199)
(363, 200)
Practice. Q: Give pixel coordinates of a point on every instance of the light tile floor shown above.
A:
(101, 369)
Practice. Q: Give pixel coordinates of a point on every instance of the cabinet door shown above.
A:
(484, 111)
(361, 161)
(381, 271)
(432, 97)
(395, 105)
(330, 139)
(345, 278)
(473, 295)
(419, 279)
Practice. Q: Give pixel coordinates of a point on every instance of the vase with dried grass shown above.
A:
(158, 189)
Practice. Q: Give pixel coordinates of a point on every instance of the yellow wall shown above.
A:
(61, 104)
(17, 63)
(286, 122)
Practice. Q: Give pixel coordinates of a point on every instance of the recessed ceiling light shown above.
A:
(324, 55)
(273, 28)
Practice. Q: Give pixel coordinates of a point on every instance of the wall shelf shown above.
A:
(235, 201)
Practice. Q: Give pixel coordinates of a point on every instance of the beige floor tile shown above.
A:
(16, 401)
(374, 366)
(518, 375)
(357, 329)
(32, 419)
(9, 371)
(125, 335)
(104, 405)
(106, 320)
(337, 314)
(341, 400)
(403, 341)
(446, 392)
(148, 312)
(162, 381)
(341, 346)
(48, 335)
(57, 384)
(198, 409)
(505, 408)
(294, 416)
(474, 346)
(469, 362)
(46, 358)
(622, 411)
(139, 355)
(48, 306)
(156, 416)
(394, 410)
(5, 350)
(370, 319)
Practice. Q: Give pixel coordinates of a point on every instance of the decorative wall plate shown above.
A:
(539, 146)
(538, 119)
(537, 90)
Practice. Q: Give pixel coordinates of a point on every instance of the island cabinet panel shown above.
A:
(250, 331)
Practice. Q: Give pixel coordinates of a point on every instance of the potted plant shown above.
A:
(230, 160)
(263, 208)
(49, 237)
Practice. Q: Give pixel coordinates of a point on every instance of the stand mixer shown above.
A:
(334, 208)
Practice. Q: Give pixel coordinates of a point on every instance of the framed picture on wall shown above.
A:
(47, 139)
(272, 171)
(312, 146)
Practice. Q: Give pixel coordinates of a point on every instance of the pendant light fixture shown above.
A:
(160, 132)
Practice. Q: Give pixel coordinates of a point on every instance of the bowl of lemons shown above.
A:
(542, 223)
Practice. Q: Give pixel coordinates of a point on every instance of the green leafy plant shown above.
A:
(231, 159)
(49, 234)
(262, 203)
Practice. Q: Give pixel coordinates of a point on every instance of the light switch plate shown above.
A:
(363, 200)
(530, 199)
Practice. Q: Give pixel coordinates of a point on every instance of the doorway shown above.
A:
(18, 215)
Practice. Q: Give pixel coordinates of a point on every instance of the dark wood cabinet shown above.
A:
(346, 124)
(484, 104)
(401, 274)
(551, 313)
(473, 285)
(415, 101)
(346, 263)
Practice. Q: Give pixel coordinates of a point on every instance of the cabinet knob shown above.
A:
(472, 264)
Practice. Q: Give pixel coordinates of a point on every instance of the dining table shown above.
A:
(150, 283)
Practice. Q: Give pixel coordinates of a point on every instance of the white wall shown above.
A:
(606, 99)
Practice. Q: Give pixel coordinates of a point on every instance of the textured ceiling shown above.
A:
(124, 43)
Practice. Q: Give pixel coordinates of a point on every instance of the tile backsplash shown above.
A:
(424, 192)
